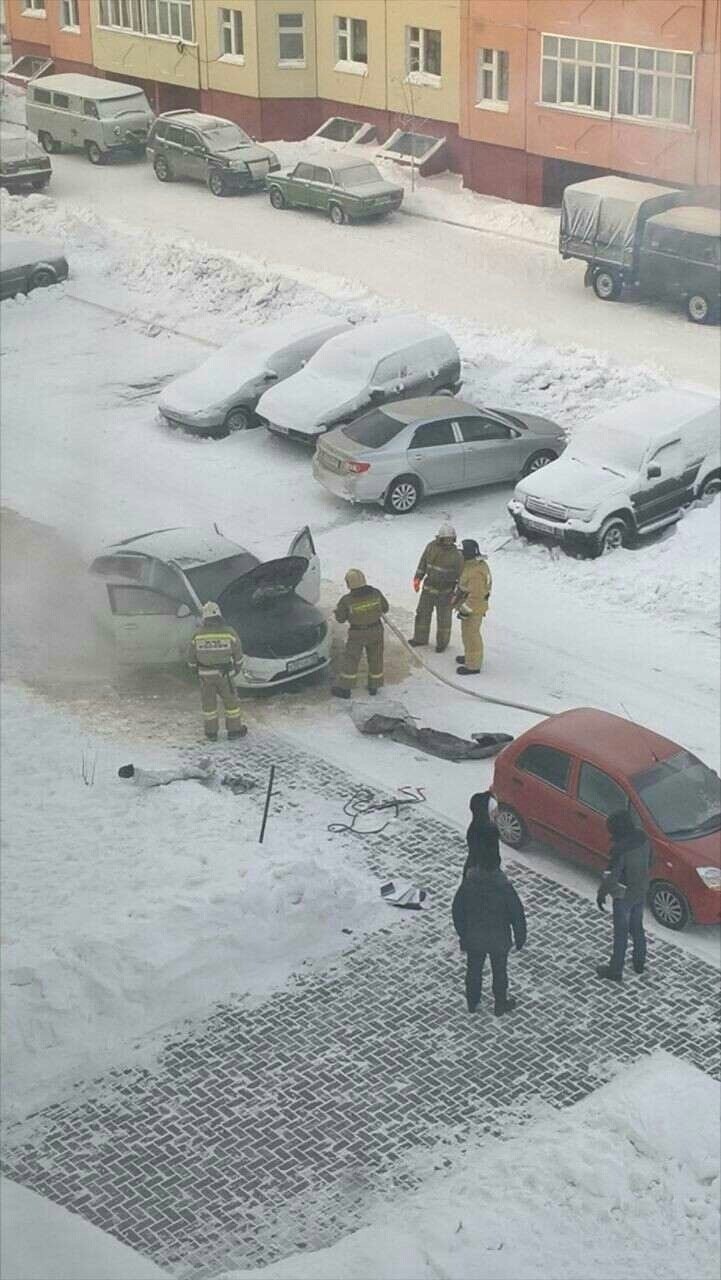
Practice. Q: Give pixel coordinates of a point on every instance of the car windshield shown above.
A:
(682, 795)
(210, 580)
(373, 430)
(361, 175)
(342, 366)
(225, 137)
(110, 108)
(614, 450)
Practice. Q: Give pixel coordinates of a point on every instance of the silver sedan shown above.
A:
(396, 454)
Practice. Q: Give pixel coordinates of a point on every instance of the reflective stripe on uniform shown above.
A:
(233, 714)
(210, 715)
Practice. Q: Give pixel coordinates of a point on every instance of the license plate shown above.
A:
(299, 664)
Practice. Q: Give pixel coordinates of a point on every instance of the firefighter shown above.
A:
(362, 608)
(439, 569)
(471, 604)
(215, 655)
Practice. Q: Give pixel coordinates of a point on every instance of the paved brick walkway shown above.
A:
(270, 1128)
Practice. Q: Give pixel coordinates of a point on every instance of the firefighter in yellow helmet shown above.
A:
(362, 608)
(439, 569)
(471, 603)
(215, 655)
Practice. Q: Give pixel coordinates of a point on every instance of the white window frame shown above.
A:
(344, 45)
(34, 9)
(421, 74)
(170, 13)
(69, 15)
(290, 31)
(230, 23)
(593, 62)
(492, 64)
(615, 68)
(122, 15)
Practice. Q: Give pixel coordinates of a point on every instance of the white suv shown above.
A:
(630, 471)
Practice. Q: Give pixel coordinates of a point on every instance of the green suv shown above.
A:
(344, 187)
(190, 144)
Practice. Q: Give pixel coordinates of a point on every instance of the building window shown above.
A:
(423, 52)
(231, 33)
(618, 80)
(170, 18)
(291, 40)
(69, 16)
(654, 84)
(351, 40)
(34, 8)
(492, 79)
(124, 15)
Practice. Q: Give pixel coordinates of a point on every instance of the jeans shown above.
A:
(627, 918)
(475, 960)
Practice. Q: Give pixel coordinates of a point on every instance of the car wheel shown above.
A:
(698, 308)
(48, 143)
(668, 905)
(277, 199)
(216, 184)
(39, 184)
(511, 828)
(402, 496)
(41, 278)
(240, 419)
(607, 285)
(611, 537)
(540, 459)
(93, 152)
(710, 487)
(162, 170)
(337, 215)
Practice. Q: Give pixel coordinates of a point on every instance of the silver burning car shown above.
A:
(396, 454)
(221, 394)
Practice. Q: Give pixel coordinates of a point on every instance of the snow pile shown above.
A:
(42, 1241)
(125, 909)
(622, 1186)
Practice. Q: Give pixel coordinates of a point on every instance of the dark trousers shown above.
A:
(627, 919)
(475, 960)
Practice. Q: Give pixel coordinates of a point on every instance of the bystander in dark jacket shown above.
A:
(487, 911)
(626, 881)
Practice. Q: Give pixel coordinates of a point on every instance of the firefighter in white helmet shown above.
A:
(439, 569)
(215, 655)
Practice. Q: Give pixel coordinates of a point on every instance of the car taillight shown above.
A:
(357, 467)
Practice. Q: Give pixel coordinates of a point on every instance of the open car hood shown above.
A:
(266, 582)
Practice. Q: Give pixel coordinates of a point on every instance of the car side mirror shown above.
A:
(270, 375)
(377, 393)
(182, 611)
(653, 472)
(198, 151)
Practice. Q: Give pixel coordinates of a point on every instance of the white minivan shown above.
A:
(98, 116)
(629, 471)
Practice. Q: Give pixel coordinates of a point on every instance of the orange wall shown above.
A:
(688, 155)
(66, 46)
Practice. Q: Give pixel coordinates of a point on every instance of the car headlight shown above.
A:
(581, 513)
(711, 877)
(116, 130)
(237, 165)
(274, 165)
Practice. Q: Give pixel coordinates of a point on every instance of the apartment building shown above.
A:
(529, 94)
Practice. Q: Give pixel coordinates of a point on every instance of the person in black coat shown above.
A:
(627, 881)
(482, 833)
(486, 911)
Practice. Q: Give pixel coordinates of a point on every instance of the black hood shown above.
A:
(478, 805)
(268, 581)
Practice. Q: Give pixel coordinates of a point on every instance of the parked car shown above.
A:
(221, 394)
(23, 164)
(191, 144)
(397, 358)
(630, 471)
(560, 781)
(659, 240)
(158, 582)
(397, 454)
(344, 187)
(29, 264)
(102, 117)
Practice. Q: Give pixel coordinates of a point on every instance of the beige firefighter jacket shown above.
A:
(474, 587)
(440, 567)
(215, 646)
(363, 607)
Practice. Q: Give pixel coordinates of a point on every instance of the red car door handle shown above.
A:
(517, 782)
(581, 814)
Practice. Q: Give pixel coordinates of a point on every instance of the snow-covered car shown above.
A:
(158, 582)
(222, 393)
(23, 164)
(396, 454)
(630, 471)
(398, 358)
(29, 264)
(344, 187)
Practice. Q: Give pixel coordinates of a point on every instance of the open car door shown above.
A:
(309, 586)
(150, 629)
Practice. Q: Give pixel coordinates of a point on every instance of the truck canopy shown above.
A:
(601, 218)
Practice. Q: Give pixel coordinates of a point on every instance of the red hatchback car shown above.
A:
(561, 780)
